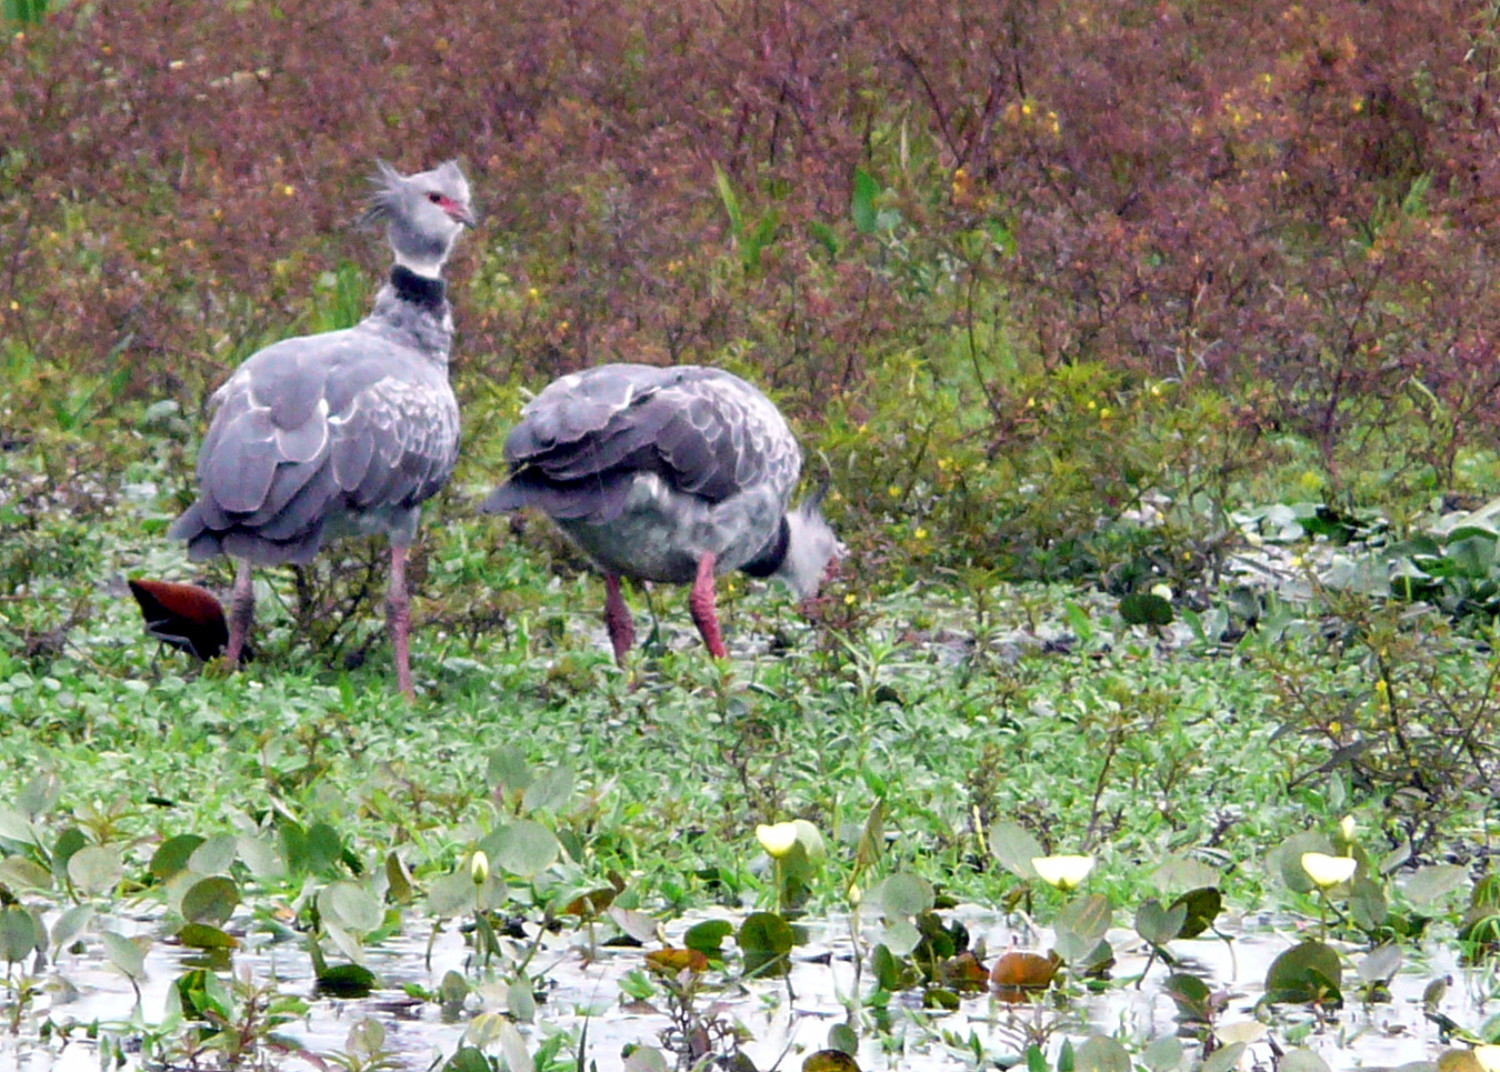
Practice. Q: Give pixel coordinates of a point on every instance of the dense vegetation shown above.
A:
(1068, 301)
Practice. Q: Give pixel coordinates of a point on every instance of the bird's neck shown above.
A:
(425, 291)
(771, 557)
(413, 310)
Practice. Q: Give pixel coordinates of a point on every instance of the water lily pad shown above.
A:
(708, 937)
(550, 792)
(18, 935)
(171, 856)
(1203, 906)
(126, 954)
(211, 901)
(1081, 925)
(214, 855)
(1427, 884)
(96, 869)
(524, 847)
(1015, 848)
(1308, 973)
(904, 895)
(204, 936)
(351, 906)
(1100, 1053)
(1157, 924)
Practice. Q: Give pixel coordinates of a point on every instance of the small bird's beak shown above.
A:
(465, 215)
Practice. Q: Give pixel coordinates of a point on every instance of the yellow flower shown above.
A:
(1328, 871)
(1346, 827)
(777, 840)
(479, 868)
(533, 293)
(288, 190)
(850, 599)
(920, 534)
(1335, 727)
(1064, 872)
(893, 491)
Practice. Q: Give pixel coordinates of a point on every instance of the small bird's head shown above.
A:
(423, 214)
(811, 547)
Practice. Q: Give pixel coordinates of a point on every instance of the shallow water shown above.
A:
(785, 1018)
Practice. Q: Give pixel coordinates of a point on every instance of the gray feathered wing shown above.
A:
(584, 439)
(313, 429)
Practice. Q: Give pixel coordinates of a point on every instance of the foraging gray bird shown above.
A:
(347, 432)
(667, 474)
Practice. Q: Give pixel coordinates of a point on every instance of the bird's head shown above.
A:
(422, 213)
(811, 547)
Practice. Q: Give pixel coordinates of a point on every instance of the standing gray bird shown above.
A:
(343, 433)
(667, 474)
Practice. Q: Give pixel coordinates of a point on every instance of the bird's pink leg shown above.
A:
(617, 618)
(241, 613)
(701, 605)
(398, 620)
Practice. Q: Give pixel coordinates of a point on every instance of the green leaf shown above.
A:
(18, 935)
(1100, 1053)
(348, 981)
(1164, 1054)
(211, 901)
(126, 954)
(1381, 965)
(1145, 608)
(206, 936)
(24, 873)
(1159, 925)
(708, 937)
(1430, 883)
(1285, 861)
(16, 827)
(1308, 973)
(1015, 848)
(524, 847)
(904, 895)
(1301, 1060)
(730, 202)
(1203, 906)
(550, 792)
(214, 856)
(351, 906)
(1192, 997)
(1225, 1059)
(1081, 925)
(451, 895)
(1367, 904)
(862, 202)
(398, 882)
(765, 933)
(70, 925)
(1184, 873)
(171, 856)
(95, 869)
(507, 769)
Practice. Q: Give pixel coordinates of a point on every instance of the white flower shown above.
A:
(1346, 827)
(1064, 872)
(479, 868)
(1327, 871)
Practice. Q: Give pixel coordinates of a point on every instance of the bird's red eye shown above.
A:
(435, 197)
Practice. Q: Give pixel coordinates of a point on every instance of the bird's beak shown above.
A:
(465, 215)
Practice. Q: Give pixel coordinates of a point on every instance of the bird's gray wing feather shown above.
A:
(311, 426)
(706, 433)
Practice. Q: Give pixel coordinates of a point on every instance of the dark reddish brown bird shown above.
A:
(185, 616)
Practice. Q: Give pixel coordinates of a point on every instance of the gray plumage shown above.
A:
(345, 432)
(667, 474)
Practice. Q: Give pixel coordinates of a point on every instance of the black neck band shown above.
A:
(770, 559)
(418, 289)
